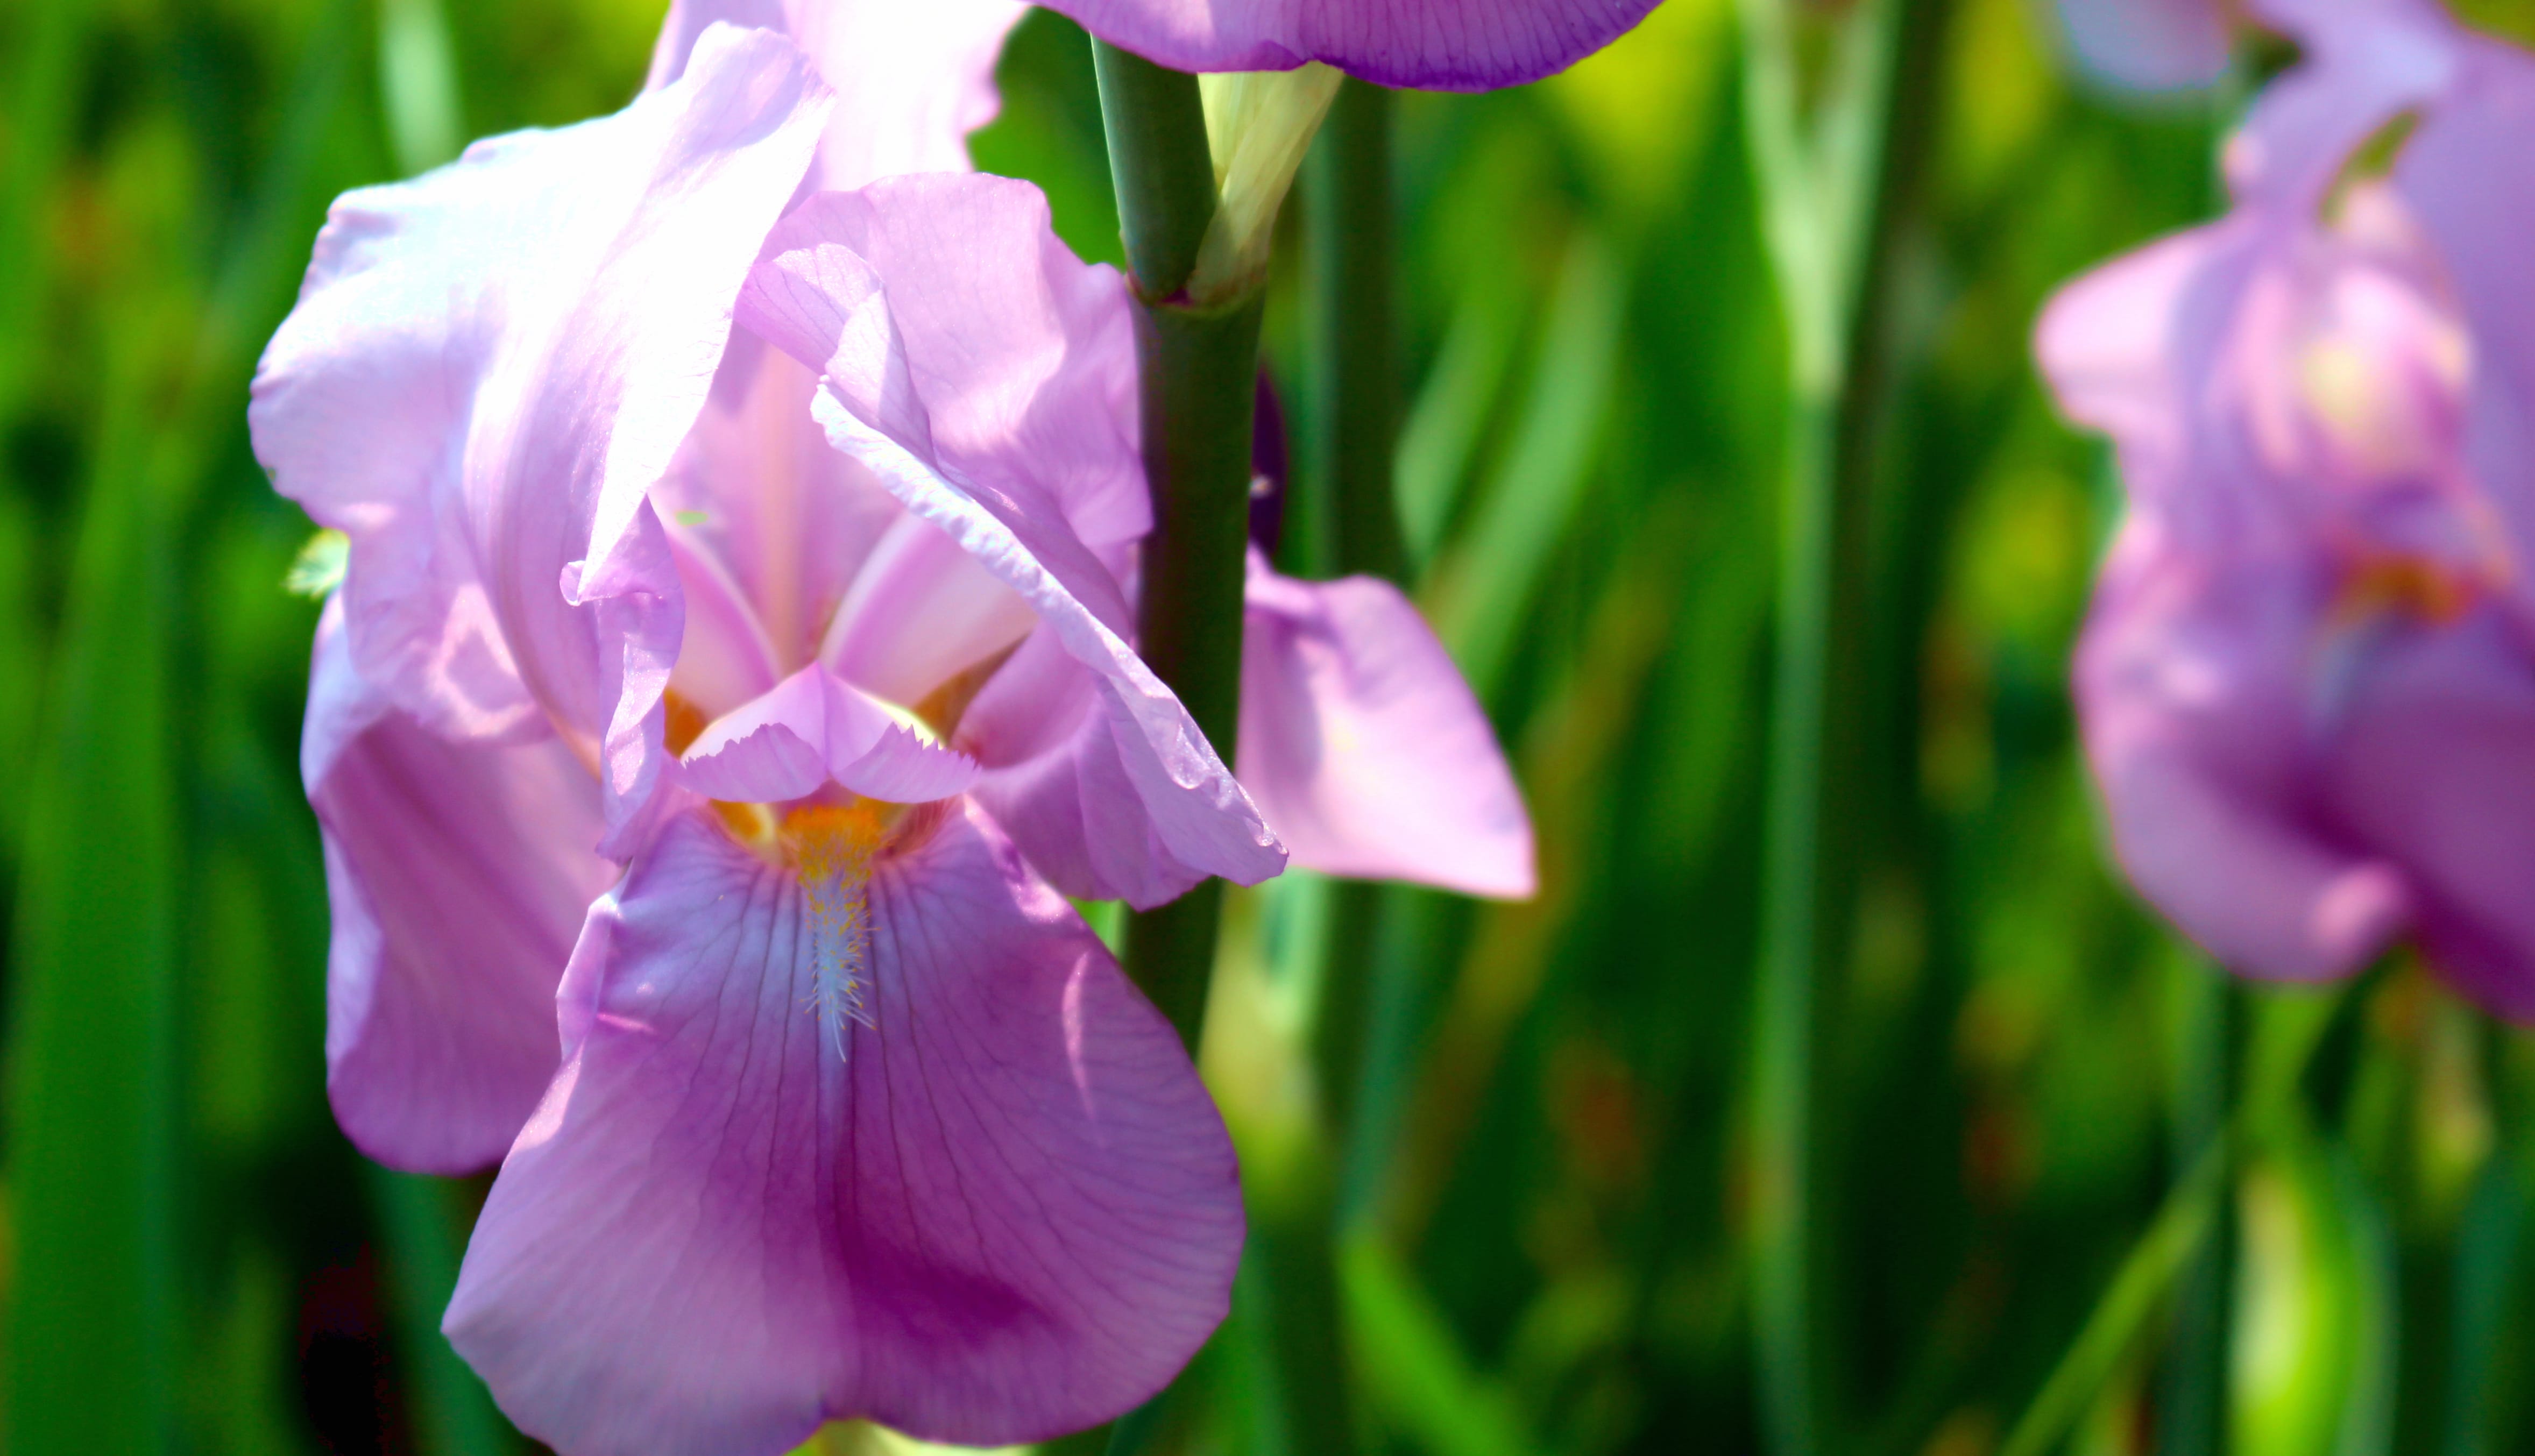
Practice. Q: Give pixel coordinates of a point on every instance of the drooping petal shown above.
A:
(914, 79)
(1462, 45)
(503, 356)
(2149, 45)
(1024, 387)
(2189, 690)
(2431, 764)
(1008, 1211)
(1363, 745)
(809, 729)
(1056, 779)
(459, 875)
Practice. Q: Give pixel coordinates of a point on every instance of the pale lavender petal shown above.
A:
(458, 875)
(1364, 748)
(1008, 1211)
(724, 655)
(2204, 741)
(918, 575)
(2365, 63)
(2150, 45)
(2468, 175)
(914, 79)
(1463, 45)
(1056, 781)
(811, 728)
(503, 356)
(922, 409)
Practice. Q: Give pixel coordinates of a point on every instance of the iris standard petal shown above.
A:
(457, 877)
(914, 80)
(922, 408)
(1008, 1210)
(504, 356)
(1461, 45)
(1365, 748)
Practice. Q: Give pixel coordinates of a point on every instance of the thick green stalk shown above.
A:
(1833, 184)
(1199, 367)
(1199, 371)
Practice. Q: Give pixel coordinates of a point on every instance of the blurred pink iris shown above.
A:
(1461, 45)
(2149, 45)
(2307, 684)
(721, 513)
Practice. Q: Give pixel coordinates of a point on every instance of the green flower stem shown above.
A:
(1833, 183)
(1198, 370)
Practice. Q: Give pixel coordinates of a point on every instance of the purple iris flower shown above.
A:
(731, 661)
(2308, 682)
(1462, 45)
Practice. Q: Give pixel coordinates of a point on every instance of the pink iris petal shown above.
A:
(1365, 750)
(1461, 45)
(810, 729)
(457, 877)
(2469, 176)
(914, 78)
(2149, 45)
(2202, 736)
(490, 366)
(997, 415)
(1008, 1211)
(918, 574)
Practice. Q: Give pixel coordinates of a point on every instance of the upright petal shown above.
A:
(914, 79)
(2189, 687)
(1007, 1211)
(490, 366)
(1000, 414)
(459, 875)
(1462, 45)
(1363, 747)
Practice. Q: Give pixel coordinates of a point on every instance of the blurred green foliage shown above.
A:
(1545, 1193)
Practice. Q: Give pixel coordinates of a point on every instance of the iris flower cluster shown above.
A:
(732, 676)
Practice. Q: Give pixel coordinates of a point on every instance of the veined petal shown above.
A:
(459, 875)
(1008, 1210)
(2188, 689)
(1365, 750)
(1459, 45)
(914, 79)
(491, 365)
